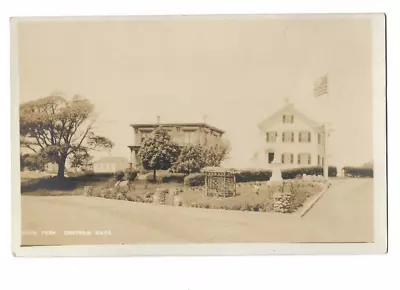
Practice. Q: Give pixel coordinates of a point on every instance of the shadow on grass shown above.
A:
(66, 186)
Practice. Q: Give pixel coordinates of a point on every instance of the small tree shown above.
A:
(190, 160)
(195, 157)
(158, 151)
(215, 155)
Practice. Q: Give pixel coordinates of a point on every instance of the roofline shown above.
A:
(178, 124)
(273, 115)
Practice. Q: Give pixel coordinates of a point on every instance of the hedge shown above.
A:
(253, 175)
(197, 179)
(165, 176)
(292, 173)
(194, 179)
(358, 171)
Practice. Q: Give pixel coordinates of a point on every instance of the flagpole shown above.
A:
(326, 133)
(326, 166)
(321, 87)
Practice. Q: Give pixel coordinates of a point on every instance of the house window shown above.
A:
(287, 158)
(304, 137)
(288, 119)
(287, 137)
(271, 136)
(304, 158)
(319, 138)
(319, 160)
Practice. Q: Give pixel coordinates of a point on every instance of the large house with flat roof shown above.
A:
(182, 133)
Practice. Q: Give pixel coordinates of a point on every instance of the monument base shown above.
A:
(276, 174)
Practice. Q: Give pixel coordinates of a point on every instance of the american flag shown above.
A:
(321, 86)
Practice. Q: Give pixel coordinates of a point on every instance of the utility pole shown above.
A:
(326, 166)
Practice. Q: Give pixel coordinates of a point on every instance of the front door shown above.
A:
(270, 157)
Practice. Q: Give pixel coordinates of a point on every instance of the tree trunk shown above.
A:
(61, 169)
(154, 176)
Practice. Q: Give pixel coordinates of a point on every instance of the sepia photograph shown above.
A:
(197, 135)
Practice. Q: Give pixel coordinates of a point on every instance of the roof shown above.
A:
(150, 125)
(289, 108)
(217, 169)
(111, 159)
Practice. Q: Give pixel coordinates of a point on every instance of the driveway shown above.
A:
(343, 214)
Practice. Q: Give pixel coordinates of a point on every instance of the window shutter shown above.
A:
(283, 158)
(309, 137)
(267, 137)
(299, 136)
(283, 119)
(298, 159)
(291, 158)
(309, 158)
(292, 137)
(283, 136)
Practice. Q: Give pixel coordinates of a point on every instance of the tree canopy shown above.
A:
(195, 157)
(55, 129)
(158, 151)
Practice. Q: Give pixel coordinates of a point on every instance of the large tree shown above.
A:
(56, 129)
(158, 151)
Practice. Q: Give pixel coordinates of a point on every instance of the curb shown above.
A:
(314, 201)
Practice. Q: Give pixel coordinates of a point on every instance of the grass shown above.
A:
(45, 185)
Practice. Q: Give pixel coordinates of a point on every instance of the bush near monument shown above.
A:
(292, 173)
(358, 171)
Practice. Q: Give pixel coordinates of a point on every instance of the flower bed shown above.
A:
(285, 198)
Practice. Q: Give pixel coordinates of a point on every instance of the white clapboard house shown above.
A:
(291, 137)
(110, 164)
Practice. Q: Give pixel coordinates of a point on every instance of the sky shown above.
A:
(236, 71)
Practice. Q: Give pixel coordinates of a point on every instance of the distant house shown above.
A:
(294, 137)
(51, 168)
(110, 164)
(182, 133)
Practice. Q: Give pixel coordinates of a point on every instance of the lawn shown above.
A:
(43, 185)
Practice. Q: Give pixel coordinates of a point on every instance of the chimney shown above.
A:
(204, 118)
(158, 120)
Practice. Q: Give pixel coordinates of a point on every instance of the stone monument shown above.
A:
(276, 164)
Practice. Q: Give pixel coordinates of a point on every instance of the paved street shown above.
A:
(343, 214)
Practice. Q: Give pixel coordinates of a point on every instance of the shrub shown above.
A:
(164, 176)
(293, 173)
(130, 174)
(358, 171)
(194, 179)
(283, 202)
(252, 175)
(119, 175)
